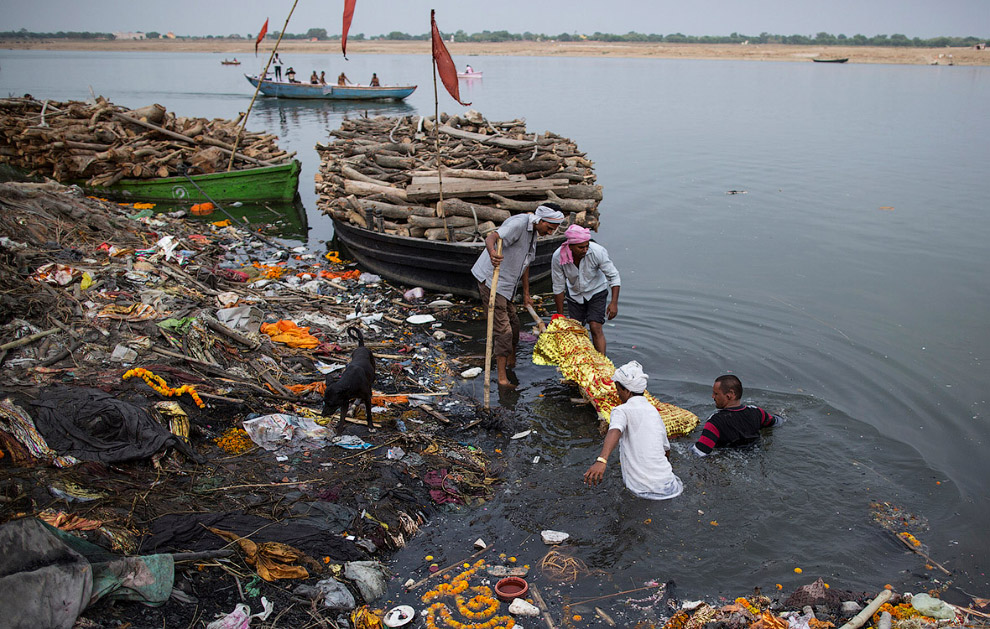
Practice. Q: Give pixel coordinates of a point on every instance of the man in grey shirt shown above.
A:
(518, 235)
(583, 273)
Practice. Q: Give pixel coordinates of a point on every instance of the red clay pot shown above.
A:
(510, 588)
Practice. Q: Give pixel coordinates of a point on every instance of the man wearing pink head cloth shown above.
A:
(582, 275)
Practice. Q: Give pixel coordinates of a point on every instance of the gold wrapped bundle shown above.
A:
(566, 345)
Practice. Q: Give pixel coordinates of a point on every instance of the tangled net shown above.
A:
(562, 568)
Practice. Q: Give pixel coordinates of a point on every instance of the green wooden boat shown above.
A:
(253, 184)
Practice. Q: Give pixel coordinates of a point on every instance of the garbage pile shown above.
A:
(161, 383)
(101, 143)
(382, 174)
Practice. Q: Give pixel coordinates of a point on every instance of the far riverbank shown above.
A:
(761, 52)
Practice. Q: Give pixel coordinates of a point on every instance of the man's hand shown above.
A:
(594, 474)
(612, 310)
(528, 301)
(496, 258)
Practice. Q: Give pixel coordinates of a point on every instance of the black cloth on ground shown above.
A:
(94, 426)
(188, 532)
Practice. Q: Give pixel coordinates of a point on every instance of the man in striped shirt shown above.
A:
(733, 424)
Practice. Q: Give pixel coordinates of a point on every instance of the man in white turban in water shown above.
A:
(636, 426)
(583, 274)
(518, 235)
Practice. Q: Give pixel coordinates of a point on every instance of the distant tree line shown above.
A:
(25, 34)
(320, 34)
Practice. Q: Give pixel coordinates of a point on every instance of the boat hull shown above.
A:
(470, 75)
(331, 92)
(831, 60)
(440, 266)
(253, 184)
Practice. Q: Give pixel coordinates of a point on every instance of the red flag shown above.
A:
(261, 35)
(445, 65)
(348, 14)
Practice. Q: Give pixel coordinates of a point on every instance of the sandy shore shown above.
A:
(763, 52)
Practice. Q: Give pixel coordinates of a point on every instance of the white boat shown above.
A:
(469, 75)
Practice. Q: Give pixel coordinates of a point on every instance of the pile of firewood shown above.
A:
(100, 143)
(381, 174)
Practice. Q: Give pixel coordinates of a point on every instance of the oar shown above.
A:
(491, 326)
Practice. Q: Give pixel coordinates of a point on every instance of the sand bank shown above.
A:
(762, 52)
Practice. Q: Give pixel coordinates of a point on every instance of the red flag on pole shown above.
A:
(348, 14)
(445, 65)
(261, 35)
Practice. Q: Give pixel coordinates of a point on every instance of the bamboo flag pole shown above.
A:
(436, 143)
(271, 56)
(491, 327)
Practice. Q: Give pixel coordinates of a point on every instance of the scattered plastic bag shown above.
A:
(241, 617)
(414, 294)
(285, 433)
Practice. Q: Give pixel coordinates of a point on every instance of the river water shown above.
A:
(846, 283)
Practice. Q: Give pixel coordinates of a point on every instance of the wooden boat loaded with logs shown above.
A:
(145, 154)
(379, 182)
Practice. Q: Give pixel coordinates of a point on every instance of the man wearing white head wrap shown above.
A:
(518, 235)
(636, 426)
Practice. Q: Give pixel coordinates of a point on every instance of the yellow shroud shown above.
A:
(566, 345)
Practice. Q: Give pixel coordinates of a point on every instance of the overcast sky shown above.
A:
(914, 18)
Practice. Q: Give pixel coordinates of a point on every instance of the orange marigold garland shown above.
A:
(159, 385)
(480, 609)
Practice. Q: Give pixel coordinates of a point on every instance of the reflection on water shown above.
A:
(286, 114)
(280, 219)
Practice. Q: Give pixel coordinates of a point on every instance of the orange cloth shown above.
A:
(291, 334)
(272, 560)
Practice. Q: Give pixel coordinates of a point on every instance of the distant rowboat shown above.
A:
(840, 60)
(331, 92)
(470, 75)
(226, 62)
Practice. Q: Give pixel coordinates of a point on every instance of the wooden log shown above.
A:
(433, 221)
(516, 166)
(361, 188)
(152, 113)
(862, 617)
(582, 192)
(391, 161)
(28, 339)
(357, 175)
(572, 205)
(491, 140)
(514, 205)
(480, 188)
(357, 219)
(185, 138)
(390, 210)
(459, 207)
(468, 173)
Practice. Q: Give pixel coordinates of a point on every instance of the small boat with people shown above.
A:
(230, 62)
(470, 75)
(280, 89)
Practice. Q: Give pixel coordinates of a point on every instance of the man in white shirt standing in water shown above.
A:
(636, 426)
